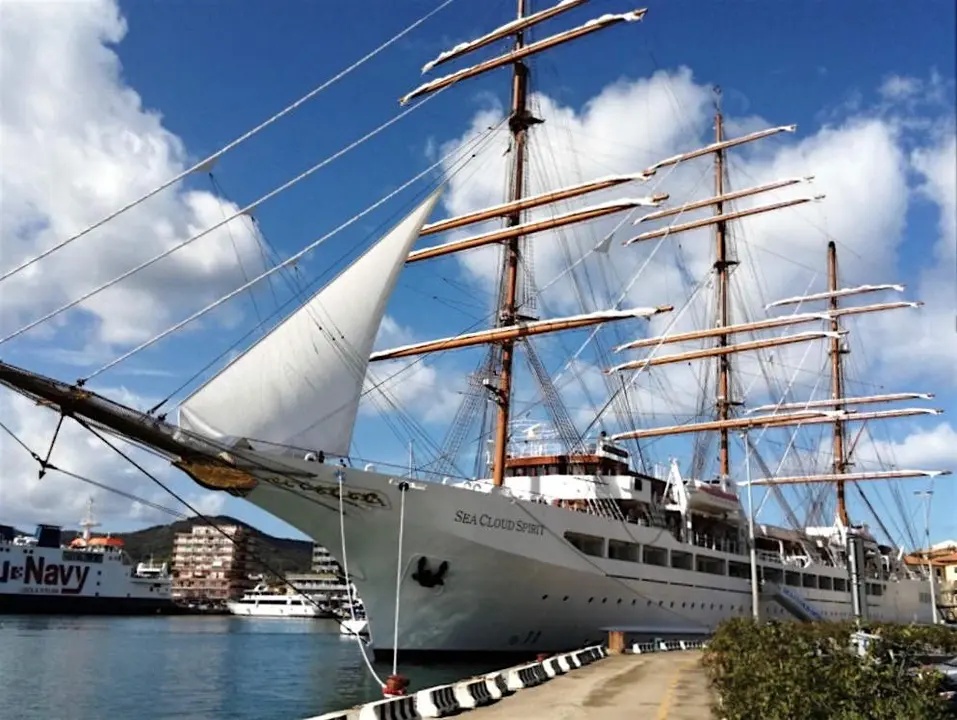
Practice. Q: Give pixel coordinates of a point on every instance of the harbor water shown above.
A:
(187, 667)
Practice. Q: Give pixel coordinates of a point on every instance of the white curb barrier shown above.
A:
(473, 693)
(436, 702)
(397, 708)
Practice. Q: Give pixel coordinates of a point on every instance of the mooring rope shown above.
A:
(403, 489)
(340, 476)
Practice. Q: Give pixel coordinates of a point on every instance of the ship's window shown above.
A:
(652, 555)
(565, 599)
(792, 578)
(738, 569)
(681, 560)
(710, 565)
(636, 484)
(682, 604)
(619, 601)
(544, 597)
(809, 581)
(604, 600)
(840, 584)
(618, 550)
(588, 544)
(590, 599)
(824, 582)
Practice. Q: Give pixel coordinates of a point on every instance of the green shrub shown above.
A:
(807, 671)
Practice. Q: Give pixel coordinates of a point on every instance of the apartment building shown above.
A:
(323, 563)
(207, 565)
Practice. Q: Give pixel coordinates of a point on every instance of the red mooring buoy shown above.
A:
(395, 685)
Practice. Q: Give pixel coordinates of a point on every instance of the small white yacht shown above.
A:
(261, 601)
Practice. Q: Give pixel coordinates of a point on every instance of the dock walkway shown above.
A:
(654, 685)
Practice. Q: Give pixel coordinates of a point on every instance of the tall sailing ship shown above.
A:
(558, 532)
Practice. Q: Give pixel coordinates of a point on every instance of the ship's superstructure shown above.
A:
(560, 532)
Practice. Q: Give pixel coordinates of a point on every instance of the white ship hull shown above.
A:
(53, 580)
(513, 582)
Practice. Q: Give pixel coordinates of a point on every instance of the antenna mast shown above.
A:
(721, 266)
(518, 124)
(88, 522)
(837, 382)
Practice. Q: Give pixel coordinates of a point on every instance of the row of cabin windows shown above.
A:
(681, 560)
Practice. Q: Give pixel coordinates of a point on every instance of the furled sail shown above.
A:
(300, 385)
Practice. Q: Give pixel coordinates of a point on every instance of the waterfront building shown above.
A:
(207, 565)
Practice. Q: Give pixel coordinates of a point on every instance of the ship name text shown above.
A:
(499, 523)
(37, 575)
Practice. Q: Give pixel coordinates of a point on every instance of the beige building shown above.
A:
(209, 566)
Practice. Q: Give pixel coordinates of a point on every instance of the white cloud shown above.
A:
(931, 448)
(899, 87)
(410, 384)
(60, 499)
(77, 145)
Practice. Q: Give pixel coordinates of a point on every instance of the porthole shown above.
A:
(590, 599)
(565, 599)
(544, 597)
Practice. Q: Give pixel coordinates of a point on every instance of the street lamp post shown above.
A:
(926, 495)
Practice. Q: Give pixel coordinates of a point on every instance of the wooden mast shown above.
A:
(518, 125)
(837, 383)
(721, 265)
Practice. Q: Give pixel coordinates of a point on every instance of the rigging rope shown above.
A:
(256, 203)
(235, 143)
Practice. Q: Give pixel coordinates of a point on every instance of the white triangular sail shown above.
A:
(300, 385)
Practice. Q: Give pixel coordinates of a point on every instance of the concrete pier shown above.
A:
(655, 685)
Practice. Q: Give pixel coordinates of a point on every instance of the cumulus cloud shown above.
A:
(77, 145)
(929, 448)
(56, 498)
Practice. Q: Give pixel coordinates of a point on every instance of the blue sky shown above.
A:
(213, 70)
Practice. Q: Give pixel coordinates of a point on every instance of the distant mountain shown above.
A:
(283, 555)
